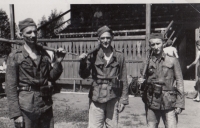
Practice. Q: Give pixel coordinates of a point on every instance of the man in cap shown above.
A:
(28, 72)
(161, 97)
(109, 91)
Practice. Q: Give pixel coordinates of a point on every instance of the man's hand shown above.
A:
(188, 67)
(121, 107)
(141, 80)
(59, 55)
(83, 56)
(19, 122)
(178, 110)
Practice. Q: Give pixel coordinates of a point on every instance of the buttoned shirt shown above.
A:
(102, 89)
(166, 70)
(23, 71)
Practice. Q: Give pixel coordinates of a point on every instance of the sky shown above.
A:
(37, 8)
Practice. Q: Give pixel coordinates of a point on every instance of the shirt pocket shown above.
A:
(99, 65)
(114, 69)
(168, 70)
(26, 101)
(114, 64)
(26, 65)
(169, 98)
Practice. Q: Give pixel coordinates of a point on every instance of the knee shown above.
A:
(152, 125)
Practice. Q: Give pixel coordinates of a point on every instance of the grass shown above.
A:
(70, 115)
(125, 117)
(67, 116)
(60, 115)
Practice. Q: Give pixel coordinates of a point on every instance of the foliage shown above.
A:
(5, 48)
(48, 31)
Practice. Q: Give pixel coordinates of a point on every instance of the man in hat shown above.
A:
(28, 72)
(109, 91)
(170, 50)
(161, 97)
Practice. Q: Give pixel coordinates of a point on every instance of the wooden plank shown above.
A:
(148, 24)
(63, 62)
(117, 31)
(129, 57)
(12, 22)
(117, 38)
(71, 63)
(76, 66)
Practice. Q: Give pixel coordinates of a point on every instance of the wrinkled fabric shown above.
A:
(167, 70)
(22, 71)
(101, 114)
(103, 90)
(45, 120)
(169, 118)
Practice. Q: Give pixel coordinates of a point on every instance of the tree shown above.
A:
(42, 31)
(48, 31)
(5, 48)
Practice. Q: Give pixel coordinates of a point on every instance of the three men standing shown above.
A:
(109, 91)
(28, 72)
(161, 97)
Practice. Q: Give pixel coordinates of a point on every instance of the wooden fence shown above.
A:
(133, 48)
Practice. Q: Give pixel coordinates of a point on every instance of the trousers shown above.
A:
(170, 119)
(45, 120)
(101, 114)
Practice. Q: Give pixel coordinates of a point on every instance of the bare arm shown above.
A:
(175, 53)
(195, 61)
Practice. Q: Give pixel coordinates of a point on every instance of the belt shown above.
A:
(28, 88)
(103, 81)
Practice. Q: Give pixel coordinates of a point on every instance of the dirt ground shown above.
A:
(132, 117)
(71, 111)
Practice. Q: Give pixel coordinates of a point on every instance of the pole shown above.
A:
(12, 22)
(148, 24)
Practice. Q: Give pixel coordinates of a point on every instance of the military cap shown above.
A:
(156, 35)
(103, 29)
(25, 23)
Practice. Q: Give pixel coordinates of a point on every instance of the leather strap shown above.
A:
(28, 88)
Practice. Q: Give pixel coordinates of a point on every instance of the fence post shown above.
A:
(81, 85)
(74, 86)
(12, 22)
(148, 24)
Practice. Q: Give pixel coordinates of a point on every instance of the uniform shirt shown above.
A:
(21, 71)
(100, 70)
(166, 69)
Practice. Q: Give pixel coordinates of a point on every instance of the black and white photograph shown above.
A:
(99, 64)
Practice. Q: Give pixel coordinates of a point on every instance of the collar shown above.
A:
(101, 53)
(24, 51)
(159, 59)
